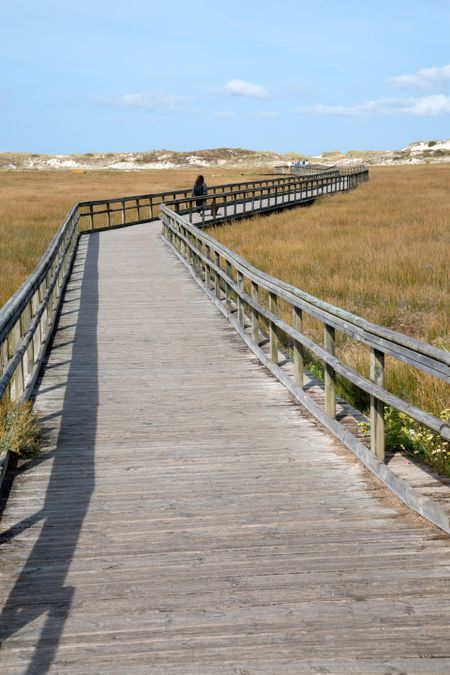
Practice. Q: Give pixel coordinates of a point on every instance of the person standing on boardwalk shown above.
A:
(199, 190)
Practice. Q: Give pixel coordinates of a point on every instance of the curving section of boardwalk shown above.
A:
(186, 516)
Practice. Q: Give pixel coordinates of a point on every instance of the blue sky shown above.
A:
(290, 75)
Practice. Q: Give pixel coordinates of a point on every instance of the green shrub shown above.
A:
(401, 432)
(19, 429)
(405, 434)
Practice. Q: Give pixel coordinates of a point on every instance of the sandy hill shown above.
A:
(414, 153)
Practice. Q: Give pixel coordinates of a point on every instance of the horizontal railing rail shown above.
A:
(305, 170)
(239, 288)
(245, 201)
(120, 211)
(27, 319)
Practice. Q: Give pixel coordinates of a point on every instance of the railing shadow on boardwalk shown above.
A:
(40, 588)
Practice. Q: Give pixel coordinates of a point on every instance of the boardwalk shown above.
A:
(186, 516)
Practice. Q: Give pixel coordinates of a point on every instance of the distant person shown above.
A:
(199, 190)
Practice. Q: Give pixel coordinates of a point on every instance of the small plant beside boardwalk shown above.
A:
(407, 435)
(20, 431)
(402, 433)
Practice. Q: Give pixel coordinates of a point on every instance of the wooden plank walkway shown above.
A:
(237, 209)
(187, 517)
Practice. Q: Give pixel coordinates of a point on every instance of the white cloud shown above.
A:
(427, 106)
(223, 115)
(156, 101)
(241, 88)
(427, 78)
(430, 105)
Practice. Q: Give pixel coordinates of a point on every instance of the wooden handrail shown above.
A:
(235, 277)
(271, 196)
(27, 318)
(134, 209)
(247, 296)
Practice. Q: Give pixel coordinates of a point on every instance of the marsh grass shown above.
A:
(33, 205)
(381, 252)
(20, 431)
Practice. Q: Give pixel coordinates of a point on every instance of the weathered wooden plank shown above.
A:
(187, 518)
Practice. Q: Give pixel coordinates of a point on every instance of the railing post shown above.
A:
(3, 356)
(176, 235)
(330, 375)
(297, 324)
(91, 214)
(198, 261)
(240, 303)
(207, 268)
(44, 317)
(199, 247)
(377, 406)
(255, 317)
(108, 213)
(182, 245)
(123, 213)
(37, 337)
(25, 319)
(273, 336)
(217, 276)
(193, 253)
(18, 379)
(227, 287)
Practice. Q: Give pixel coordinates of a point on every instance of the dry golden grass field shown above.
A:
(33, 205)
(381, 251)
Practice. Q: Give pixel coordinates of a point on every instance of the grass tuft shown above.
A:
(19, 429)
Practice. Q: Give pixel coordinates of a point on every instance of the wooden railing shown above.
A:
(242, 201)
(303, 169)
(27, 319)
(251, 301)
(106, 213)
(306, 170)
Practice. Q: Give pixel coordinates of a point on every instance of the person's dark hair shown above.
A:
(199, 180)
